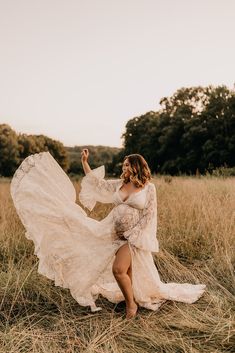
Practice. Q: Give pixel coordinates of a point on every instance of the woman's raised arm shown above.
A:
(93, 185)
(84, 159)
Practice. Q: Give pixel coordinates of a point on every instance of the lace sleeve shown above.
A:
(143, 234)
(95, 188)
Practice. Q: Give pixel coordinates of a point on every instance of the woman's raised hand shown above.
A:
(84, 155)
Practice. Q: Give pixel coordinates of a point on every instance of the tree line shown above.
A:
(193, 131)
(14, 148)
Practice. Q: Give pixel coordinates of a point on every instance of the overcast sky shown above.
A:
(78, 70)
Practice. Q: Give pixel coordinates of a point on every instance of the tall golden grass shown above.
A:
(196, 231)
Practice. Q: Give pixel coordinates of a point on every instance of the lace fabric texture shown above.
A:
(125, 217)
(76, 251)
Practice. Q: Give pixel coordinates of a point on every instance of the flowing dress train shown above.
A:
(77, 251)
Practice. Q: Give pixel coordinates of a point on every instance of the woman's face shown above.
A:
(125, 168)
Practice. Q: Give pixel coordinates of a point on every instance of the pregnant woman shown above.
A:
(111, 257)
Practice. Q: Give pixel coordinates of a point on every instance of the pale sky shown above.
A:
(78, 70)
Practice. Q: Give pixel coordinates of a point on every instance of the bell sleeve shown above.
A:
(143, 234)
(95, 188)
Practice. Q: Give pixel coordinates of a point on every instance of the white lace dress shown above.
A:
(76, 251)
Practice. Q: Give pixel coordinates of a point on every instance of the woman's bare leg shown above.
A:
(121, 268)
(129, 272)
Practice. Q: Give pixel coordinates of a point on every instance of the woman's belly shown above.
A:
(125, 217)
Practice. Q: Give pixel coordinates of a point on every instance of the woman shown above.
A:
(112, 257)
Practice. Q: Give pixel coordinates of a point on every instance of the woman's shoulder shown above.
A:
(150, 185)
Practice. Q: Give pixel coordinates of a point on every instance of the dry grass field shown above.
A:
(196, 231)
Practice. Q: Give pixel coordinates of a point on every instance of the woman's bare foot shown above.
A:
(131, 310)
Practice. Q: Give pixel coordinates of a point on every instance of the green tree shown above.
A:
(9, 155)
(30, 144)
(193, 130)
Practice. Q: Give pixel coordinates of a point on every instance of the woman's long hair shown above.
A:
(139, 170)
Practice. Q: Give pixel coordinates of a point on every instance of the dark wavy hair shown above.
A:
(139, 170)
